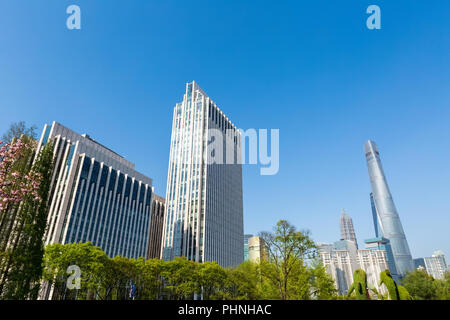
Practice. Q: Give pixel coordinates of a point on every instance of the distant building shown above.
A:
(340, 260)
(339, 265)
(246, 237)
(419, 263)
(156, 227)
(381, 243)
(343, 258)
(347, 229)
(348, 245)
(324, 246)
(373, 262)
(257, 250)
(436, 265)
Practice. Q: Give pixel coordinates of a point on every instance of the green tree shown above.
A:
(180, 279)
(323, 285)
(91, 260)
(420, 285)
(114, 281)
(443, 287)
(300, 286)
(148, 282)
(287, 250)
(211, 280)
(244, 282)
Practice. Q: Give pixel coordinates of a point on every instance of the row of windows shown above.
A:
(221, 121)
(186, 145)
(113, 216)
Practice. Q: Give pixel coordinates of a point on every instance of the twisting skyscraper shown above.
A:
(204, 220)
(347, 229)
(387, 222)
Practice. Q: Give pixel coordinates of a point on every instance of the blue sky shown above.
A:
(310, 68)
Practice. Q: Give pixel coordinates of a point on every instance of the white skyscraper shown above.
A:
(257, 249)
(204, 220)
(436, 265)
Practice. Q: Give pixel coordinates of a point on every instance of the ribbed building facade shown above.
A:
(381, 243)
(156, 227)
(436, 265)
(373, 262)
(386, 219)
(246, 239)
(342, 258)
(204, 220)
(96, 195)
(257, 249)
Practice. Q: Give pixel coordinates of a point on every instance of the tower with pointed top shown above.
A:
(347, 229)
(386, 219)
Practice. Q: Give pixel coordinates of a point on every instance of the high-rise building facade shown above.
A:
(387, 222)
(96, 195)
(381, 243)
(204, 220)
(436, 265)
(338, 264)
(373, 262)
(419, 263)
(246, 237)
(156, 227)
(347, 229)
(375, 218)
(257, 250)
(342, 258)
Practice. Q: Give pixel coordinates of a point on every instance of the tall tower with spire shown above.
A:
(386, 219)
(347, 229)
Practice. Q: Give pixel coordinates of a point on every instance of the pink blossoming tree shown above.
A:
(24, 188)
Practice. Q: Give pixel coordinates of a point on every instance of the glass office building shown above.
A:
(436, 265)
(204, 220)
(96, 195)
(386, 219)
(246, 238)
(381, 243)
(419, 263)
(156, 227)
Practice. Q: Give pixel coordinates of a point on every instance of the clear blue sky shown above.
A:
(310, 68)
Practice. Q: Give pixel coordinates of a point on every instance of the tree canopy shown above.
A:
(17, 129)
(288, 251)
(422, 286)
(113, 278)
